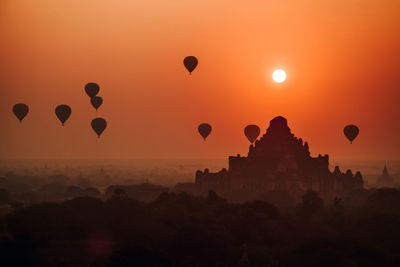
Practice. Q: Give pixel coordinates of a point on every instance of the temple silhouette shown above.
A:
(279, 161)
(385, 180)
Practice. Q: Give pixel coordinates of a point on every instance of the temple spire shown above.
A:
(385, 171)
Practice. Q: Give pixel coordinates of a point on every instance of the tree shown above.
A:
(5, 196)
(312, 204)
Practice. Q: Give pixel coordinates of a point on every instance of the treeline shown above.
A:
(184, 230)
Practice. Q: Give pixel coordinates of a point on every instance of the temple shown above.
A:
(385, 180)
(279, 161)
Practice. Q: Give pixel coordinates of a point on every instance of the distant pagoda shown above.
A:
(385, 180)
(279, 161)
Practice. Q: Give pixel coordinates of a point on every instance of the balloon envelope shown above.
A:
(96, 101)
(190, 63)
(99, 125)
(92, 89)
(351, 132)
(20, 111)
(63, 112)
(204, 130)
(252, 132)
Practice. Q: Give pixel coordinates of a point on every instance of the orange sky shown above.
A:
(342, 58)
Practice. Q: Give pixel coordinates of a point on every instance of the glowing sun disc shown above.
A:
(279, 76)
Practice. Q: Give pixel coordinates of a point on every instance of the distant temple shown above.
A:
(279, 161)
(385, 180)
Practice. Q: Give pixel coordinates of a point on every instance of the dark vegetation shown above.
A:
(185, 230)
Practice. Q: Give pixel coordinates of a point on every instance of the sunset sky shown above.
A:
(342, 59)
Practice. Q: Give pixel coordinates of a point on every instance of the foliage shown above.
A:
(186, 230)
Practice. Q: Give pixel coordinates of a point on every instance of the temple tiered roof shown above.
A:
(279, 161)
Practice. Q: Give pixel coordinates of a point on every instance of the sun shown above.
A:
(279, 76)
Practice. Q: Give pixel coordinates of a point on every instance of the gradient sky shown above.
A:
(342, 58)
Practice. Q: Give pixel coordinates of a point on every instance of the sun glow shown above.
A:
(279, 76)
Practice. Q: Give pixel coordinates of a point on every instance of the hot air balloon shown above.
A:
(20, 111)
(63, 112)
(252, 132)
(190, 63)
(99, 125)
(96, 101)
(92, 89)
(351, 132)
(204, 130)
